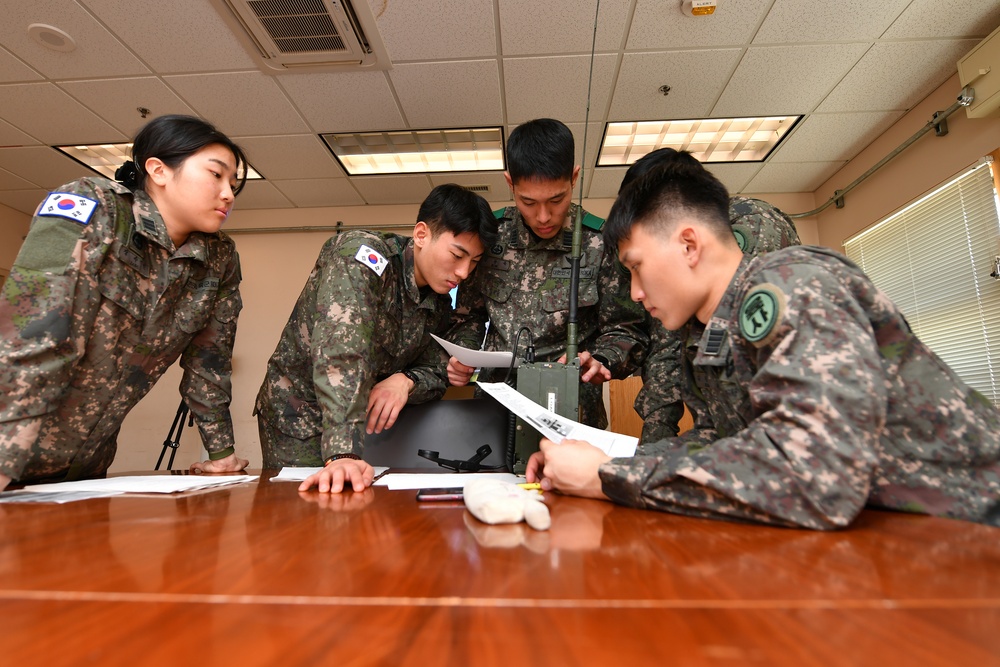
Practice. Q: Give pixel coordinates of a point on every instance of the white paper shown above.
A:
(556, 427)
(435, 480)
(22, 496)
(144, 484)
(297, 474)
(477, 358)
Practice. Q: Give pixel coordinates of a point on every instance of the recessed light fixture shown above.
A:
(51, 37)
(708, 139)
(106, 158)
(418, 151)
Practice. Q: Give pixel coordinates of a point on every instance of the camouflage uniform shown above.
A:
(92, 314)
(524, 282)
(824, 401)
(759, 228)
(351, 328)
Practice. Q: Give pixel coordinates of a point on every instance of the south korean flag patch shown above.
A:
(372, 259)
(70, 206)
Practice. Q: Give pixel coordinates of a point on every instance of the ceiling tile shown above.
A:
(25, 201)
(198, 39)
(792, 176)
(320, 192)
(529, 27)
(735, 176)
(637, 95)
(118, 100)
(394, 189)
(498, 193)
(785, 80)
(43, 166)
(11, 136)
(293, 157)
(98, 51)
(261, 194)
(9, 181)
(606, 182)
(564, 82)
(419, 88)
(660, 25)
(454, 29)
(12, 69)
(946, 18)
(52, 116)
(896, 75)
(833, 137)
(344, 102)
(824, 21)
(241, 103)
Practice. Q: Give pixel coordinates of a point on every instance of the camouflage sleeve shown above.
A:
(808, 457)
(343, 342)
(622, 337)
(431, 369)
(49, 302)
(468, 321)
(208, 364)
(659, 400)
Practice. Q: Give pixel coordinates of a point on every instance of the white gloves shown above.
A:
(493, 501)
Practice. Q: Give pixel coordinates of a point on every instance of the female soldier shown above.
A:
(113, 282)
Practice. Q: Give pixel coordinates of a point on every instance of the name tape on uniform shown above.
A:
(70, 206)
(372, 259)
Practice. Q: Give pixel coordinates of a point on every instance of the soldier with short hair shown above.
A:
(832, 401)
(758, 227)
(113, 283)
(357, 346)
(524, 281)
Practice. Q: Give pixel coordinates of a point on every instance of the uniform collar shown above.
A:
(424, 298)
(149, 223)
(713, 338)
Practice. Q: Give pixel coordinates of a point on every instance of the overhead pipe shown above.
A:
(937, 123)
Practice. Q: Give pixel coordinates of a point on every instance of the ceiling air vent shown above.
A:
(307, 35)
(478, 188)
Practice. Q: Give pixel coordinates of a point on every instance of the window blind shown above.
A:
(934, 260)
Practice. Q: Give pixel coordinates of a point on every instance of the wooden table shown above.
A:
(263, 575)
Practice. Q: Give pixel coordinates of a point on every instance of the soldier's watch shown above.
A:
(410, 374)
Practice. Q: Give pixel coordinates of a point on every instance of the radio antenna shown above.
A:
(576, 252)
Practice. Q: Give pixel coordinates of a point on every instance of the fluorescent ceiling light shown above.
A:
(708, 139)
(106, 158)
(418, 151)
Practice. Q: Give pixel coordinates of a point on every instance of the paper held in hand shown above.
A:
(476, 358)
(556, 427)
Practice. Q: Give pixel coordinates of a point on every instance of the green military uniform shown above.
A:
(360, 318)
(825, 401)
(758, 228)
(98, 305)
(524, 282)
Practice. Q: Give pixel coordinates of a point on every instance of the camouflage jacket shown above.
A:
(759, 228)
(359, 319)
(95, 309)
(524, 282)
(837, 405)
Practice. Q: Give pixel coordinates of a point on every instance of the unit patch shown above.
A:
(67, 205)
(762, 308)
(372, 259)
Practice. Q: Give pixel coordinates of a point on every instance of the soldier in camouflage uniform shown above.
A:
(829, 402)
(758, 228)
(111, 285)
(357, 346)
(524, 279)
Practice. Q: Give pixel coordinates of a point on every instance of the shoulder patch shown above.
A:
(763, 307)
(372, 259)
(592, 221)
(68, 205)
(742, 238)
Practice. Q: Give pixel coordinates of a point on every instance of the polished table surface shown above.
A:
(260, 574)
